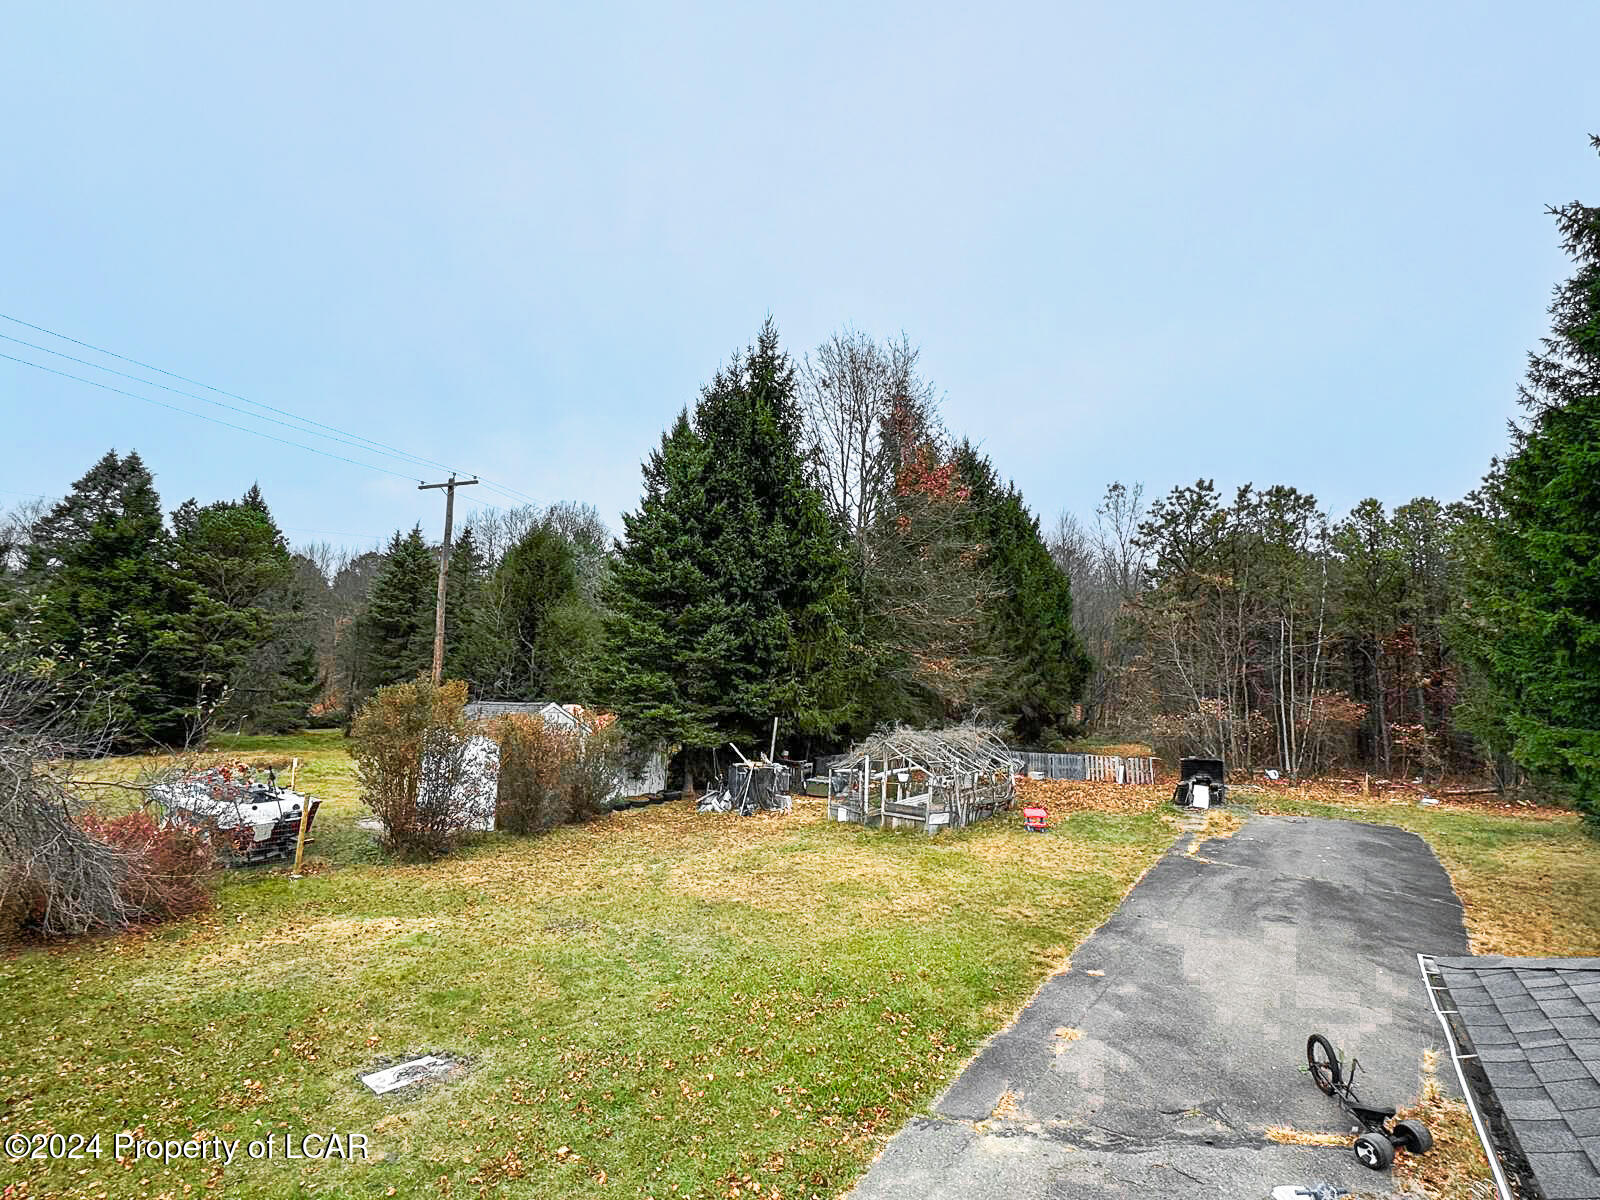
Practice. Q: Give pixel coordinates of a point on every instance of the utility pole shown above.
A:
(450, 486)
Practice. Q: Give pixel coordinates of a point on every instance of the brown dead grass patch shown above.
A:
(1530, 898)
(1219, 823)
(1346, 791)
(1287, 1135)
(337, 935)
(1456, 1166)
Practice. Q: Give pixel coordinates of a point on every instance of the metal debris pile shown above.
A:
(752, 787)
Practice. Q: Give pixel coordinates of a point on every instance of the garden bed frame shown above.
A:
(927, 779)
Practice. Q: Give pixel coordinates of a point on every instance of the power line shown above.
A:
(197, 383)
(203, 417)
(383, 447)
(192, 396)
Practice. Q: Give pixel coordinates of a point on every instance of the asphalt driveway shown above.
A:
(1153, 1066)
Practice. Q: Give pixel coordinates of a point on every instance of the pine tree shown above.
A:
(395, 629)
(239, 609)
(537, 576)
(724, 607)
(1031, 625)
(660, 598)
(465, 653)
(103, 593)
(1530, 622)
(297, 688)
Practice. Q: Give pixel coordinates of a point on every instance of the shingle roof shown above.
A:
(476, 709)
(1534, 1024)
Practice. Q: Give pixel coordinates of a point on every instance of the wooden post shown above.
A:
(294, 768)
(450, 485)
(300, 842)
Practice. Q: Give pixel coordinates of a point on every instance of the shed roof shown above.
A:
(968, 747)
(1534, 1024)
(479, 709)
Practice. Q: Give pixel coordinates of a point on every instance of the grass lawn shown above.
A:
(659, 1003)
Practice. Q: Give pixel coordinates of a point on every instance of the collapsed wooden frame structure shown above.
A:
(925, 779)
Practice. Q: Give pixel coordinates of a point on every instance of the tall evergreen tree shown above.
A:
(104, 592)
(536, 578)
(239, 617)
(464, 616)
(297, 686)
(1530, 621)
(1031, 625)
(725, 604)
(394, 631)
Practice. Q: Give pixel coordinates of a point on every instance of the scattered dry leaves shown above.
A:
(1009, 1107)
(1068, 795)
(1290, 1136)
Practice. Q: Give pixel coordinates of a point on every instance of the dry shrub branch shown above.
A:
(63, 870)
(549, 776)
(409, 742)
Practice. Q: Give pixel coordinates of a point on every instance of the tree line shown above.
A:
(814, 546)
(1432, 637)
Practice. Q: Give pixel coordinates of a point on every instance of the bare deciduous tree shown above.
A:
(1106, 565)
(862, 401)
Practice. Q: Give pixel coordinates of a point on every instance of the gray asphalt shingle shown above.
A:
(1534, 1024)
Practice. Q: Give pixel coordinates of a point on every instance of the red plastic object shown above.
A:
(1034, 818)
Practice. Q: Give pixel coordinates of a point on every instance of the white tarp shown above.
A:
(208, 796)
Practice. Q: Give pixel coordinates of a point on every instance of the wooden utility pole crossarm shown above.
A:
(450, 485)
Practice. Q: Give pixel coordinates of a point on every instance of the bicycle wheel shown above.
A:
(1324, 1064)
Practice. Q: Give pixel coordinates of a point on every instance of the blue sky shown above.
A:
(1142, 242)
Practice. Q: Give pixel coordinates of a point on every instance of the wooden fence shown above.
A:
(1094, 768)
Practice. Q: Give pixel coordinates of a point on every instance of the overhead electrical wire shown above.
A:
(180, 392)
(203, 417)
(334, 433)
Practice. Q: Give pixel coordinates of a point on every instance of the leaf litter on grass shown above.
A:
(699, 1000)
